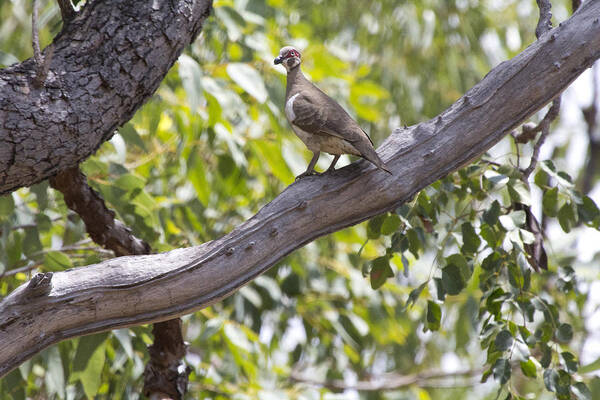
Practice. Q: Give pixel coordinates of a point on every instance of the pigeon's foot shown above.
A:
(307, 173)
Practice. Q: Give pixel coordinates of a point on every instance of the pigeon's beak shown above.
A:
(278, 60)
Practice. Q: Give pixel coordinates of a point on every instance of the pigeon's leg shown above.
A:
(311, 166)
(332, 166)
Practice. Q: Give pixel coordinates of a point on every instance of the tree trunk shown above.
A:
(102, 67)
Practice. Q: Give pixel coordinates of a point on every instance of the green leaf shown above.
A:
(57, 261)
(546, 354)
(471, 240)
(588, 210)
(414, 294)
(374, 226)
(492, 262)
(501, 370)
(461, 262)
(564, 333)
(490, 216)
(496, 180)
(237, 337)
(54, 377)
(561, 178)
(390, 224)
(271, 153)
(516, 278)
(550, 202)
(571, 363)
(130, 182)
(434, 316)
(519, 193)
(528, 368)
(581, 391)
(452, 280)
(489, 235)
(504, 340)
(131, 136)
(551, 379)
(31, 242)
(124, 339)
(380, 271)
(414, 242)
(513, 220)
(566, 217)
(248, 79)
(591, 367)
(190, 74)
(7, 205)
(89, 362)
(198, 177)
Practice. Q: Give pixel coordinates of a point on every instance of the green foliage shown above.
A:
(213, 146)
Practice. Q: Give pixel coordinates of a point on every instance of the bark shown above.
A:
(133, 290)
(104, 64)
(100, 222)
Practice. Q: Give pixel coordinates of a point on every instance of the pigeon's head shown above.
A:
(289, 57)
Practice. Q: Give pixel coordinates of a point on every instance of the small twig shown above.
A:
(388, 381)
(545, 128)
(37, 54)
(590, 115)
(544, 24)
(42, 63)
(528, 132)
(66, 10)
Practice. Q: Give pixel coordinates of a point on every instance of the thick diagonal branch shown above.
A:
(140, 289)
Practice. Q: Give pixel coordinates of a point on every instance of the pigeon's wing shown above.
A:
(321, 115)
(308, 116)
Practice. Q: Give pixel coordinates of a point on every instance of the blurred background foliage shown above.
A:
(456, 298)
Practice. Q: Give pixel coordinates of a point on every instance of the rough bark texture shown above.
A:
(106, 62)
(100, 222)
(166, 375)
(140, 289)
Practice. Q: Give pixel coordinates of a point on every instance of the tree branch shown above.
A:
(545, 22)
(133, 290)
(100, 222)
(106, 62)
(590, 115)
(390, 381)
(543, 126)
(66, 10)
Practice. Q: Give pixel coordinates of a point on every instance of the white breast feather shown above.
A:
(289, 108)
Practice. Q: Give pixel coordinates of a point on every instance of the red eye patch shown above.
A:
(291, 53)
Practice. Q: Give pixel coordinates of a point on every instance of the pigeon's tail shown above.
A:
(368, 153)
(380, 164)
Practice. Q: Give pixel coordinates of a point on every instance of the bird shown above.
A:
(319, 121)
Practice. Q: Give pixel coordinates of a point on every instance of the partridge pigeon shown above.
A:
(319, 121)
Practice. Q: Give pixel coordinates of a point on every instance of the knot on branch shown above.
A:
(39, 285)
